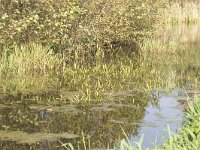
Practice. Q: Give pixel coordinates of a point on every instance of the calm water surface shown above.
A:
(167, 113)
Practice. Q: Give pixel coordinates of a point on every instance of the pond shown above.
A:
(27, 124)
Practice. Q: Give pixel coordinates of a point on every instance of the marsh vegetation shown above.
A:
(88, 73)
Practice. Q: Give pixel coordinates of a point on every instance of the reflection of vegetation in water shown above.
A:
(186, 57)
(102, 122)
(185, 34)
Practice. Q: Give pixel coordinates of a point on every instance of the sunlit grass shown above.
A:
(190, 132)
(28, 66)
(34, 68)
(188, 12)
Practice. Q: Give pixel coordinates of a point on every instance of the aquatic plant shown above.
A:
(37, 69)
(28, 65)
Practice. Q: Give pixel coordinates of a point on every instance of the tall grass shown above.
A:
(190, 132)
(34, 68)
(28, 66)
(188, 12)
(30, 59)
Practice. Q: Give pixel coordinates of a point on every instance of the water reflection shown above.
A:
(167, 113)
(95, 121)
(102, 122)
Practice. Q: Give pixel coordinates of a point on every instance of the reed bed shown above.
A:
(188, 12)
(34, 68)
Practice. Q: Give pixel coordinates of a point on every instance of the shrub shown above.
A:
(77, 24)
(42, 21)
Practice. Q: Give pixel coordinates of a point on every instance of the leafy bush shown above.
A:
(41, 21)
(77, 24)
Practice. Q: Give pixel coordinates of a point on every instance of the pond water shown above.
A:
(25, 124)
(33, 125)
(167, 113)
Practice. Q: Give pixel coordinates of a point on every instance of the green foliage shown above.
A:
(76, 24)
(36, 68)
(28, 65)
(46, 22)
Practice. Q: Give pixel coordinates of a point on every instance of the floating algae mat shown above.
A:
(25, 138)
(62, 109)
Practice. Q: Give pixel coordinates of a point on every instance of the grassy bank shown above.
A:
(60, 60)
(77, 46)
(89, 62)
(36, 70)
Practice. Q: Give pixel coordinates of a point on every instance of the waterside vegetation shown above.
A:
(95, 49)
